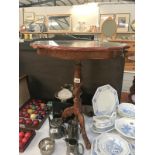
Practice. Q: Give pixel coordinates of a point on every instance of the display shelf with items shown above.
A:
(125, 36)
(129, 59)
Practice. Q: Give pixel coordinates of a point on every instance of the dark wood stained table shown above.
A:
(79, 50)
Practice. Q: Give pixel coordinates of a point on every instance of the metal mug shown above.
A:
(46, 146)
(73, 147)
(73, 129)
(56, 128)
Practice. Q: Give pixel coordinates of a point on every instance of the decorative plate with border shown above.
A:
(105, 100)
(126, 127)
(126, 110)
(110, 144)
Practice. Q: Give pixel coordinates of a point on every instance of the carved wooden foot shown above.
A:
(82, 126)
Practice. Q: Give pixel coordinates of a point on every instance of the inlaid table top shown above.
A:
(79, 49)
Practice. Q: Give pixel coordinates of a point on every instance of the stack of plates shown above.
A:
(103, 123)
(126, 110)
(126, 127)
(110, 144)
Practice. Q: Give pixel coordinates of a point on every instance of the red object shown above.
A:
(43, 113)
(36, 103)
(28, 122)
(24, 110)
(36, 112)
(21, 144)
(28, 135)
(24, 140)
(21, 134)
(27, 106)
(21, 114)
(35, 122)
(21, 120)
(38, 108)
(27, 115)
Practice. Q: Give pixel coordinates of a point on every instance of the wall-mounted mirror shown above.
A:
(109, 27)
(59, 22)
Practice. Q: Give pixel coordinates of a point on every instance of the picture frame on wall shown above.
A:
(29, 16)
(103, 17)
(39, 19)
(122, 21)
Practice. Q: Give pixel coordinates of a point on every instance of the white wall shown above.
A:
(118, 8)
(20, 17)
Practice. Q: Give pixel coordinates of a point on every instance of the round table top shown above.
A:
(79, 49)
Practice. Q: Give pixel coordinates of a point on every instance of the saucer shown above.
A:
(126, 110)
(126, 127)
(110, 144)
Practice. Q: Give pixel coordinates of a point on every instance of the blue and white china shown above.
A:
(126, 127)
(132, 147)
(110, 144)
(105, 100)
(102, 130)
(103, 123)
(126, 110)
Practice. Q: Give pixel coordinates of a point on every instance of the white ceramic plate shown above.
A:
(110, 144)
(101, 130)
(126, 127)
(105, 100)
(102, 123)
(126, 110)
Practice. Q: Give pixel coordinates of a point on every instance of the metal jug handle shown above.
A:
(80, 145)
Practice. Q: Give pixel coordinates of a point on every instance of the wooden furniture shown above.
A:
(78, 51)
(129, 63)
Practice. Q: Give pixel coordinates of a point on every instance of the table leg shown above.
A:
(76, 109)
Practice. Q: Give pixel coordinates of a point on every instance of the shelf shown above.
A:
(122, 40)
(125, 32)
(69, 32)
(72, 32)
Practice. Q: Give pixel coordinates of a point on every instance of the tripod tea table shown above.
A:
(79, 50)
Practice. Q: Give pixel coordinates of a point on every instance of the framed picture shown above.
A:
(122, 20)
(103, 17)
(28, 16)
(59, 22)
(39, 19)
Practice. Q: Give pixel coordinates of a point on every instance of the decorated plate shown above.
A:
(126, 110)
(126, 127)
(110, 144)
(105, 100)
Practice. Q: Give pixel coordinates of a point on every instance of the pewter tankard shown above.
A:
(56, 128)
(73, 147)
(73, 129)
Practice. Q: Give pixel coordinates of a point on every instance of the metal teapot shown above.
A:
(56, 128)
